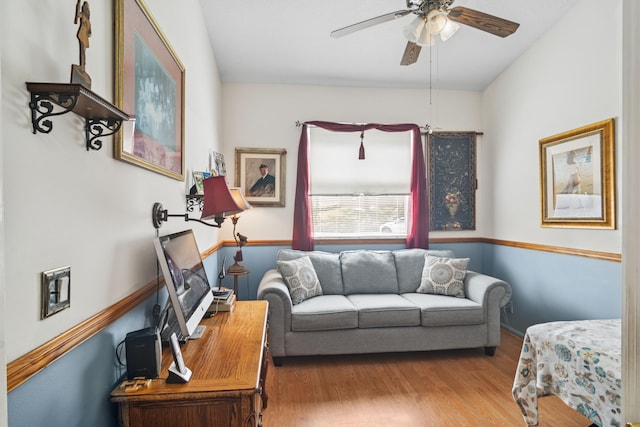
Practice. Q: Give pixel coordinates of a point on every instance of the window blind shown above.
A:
(336, 170)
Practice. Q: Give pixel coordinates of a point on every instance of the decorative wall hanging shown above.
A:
(452, 180)
(149, 81)
(577, 181)
(260, 173)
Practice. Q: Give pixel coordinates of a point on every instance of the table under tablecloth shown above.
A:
(578, 361)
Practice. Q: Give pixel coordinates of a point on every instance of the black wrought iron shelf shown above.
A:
(194, 201)
(102, 118)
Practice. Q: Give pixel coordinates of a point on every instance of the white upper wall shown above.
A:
(264, 116)
(66, 206)
(570, 78)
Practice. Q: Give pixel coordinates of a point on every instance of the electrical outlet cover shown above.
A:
(56, 291)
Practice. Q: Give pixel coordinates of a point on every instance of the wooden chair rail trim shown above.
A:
(605, 256)
(28, 365)
(24, 367)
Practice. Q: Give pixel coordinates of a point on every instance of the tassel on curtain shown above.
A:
(361, 153)
(418, 215)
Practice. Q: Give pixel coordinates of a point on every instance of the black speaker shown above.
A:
(144, 353)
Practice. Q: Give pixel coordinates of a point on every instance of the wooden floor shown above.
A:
(441, 388)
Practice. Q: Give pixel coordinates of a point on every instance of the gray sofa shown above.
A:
(369, 304)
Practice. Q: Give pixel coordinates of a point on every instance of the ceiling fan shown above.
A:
(434, 17)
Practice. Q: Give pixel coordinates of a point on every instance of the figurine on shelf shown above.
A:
(79, 72)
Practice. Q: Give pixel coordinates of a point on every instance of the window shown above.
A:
(353, 198)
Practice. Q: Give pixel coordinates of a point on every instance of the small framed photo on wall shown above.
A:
(260, 174)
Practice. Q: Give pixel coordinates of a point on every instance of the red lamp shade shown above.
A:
(218, 201)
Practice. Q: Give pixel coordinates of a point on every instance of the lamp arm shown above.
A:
(160, 215)
(219, 220)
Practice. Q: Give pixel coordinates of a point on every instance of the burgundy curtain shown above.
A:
(418, 218)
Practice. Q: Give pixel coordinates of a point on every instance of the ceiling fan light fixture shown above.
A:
(436, 21)
(449, 29)
(426, 38)
(414, 30)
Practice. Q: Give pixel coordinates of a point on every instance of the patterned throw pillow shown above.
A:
(301, 278)
(443, 276)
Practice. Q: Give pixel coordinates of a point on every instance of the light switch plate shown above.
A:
(56, 291)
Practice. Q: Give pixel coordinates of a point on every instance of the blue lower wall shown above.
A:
(74, 390)
(549, 287)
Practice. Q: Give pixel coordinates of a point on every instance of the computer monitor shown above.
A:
(187, 283)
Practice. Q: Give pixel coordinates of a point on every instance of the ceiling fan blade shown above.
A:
(483, 21)
(369, 23)
(411, 53)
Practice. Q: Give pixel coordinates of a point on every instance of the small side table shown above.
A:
(235, 279)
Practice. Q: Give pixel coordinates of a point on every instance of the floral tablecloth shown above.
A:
(577, 361)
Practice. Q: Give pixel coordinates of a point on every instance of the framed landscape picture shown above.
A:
(149, 84)
(260, 174)
(577, 182)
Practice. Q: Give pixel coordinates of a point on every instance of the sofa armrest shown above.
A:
(493, 294)
(273, 289)
(484, 289)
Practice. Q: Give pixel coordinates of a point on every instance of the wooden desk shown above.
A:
(227, 388)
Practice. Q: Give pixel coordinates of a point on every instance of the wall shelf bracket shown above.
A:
(54, 99)
(96, 128)
(195, 201)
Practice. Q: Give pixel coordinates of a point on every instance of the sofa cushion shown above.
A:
(301, 279)
(324, 312)
(443, 276)
(440, 310)
(368, 272)
(326, 264)
(409, 265)
(384, 310)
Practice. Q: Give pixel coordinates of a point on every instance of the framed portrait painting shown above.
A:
(577, 177)
(149, 84)
(260, 174)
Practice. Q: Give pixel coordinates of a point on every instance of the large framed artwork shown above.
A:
(577, 177)
(149, 83)
(260, 174)
(452, 180)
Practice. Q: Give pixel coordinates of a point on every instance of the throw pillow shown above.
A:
(301, 278)
(443, 276)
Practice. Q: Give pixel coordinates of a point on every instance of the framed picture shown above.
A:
(149, 84)
(216, 164)
(577, 177)
(198, 177)
(260, 174)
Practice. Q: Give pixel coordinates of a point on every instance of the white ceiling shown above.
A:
(287, 41)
